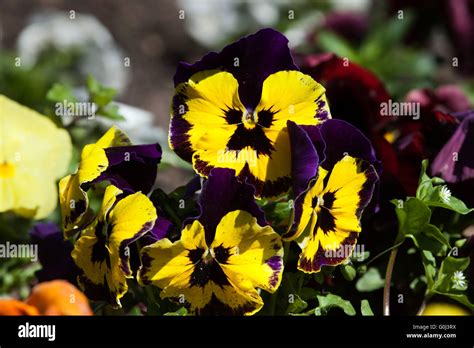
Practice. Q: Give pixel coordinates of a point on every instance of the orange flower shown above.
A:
(58, 297)
(15, 307)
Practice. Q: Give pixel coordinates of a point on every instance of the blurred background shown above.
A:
(135, 47)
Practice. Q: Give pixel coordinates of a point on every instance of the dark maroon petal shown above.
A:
(223, 193)
(453, 97)
(354, 93)
(251, 60)
(132, 168)
(455, 161)
(351, 26)
(54, 253)
(446, 98)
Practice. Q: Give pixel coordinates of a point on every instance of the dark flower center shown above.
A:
(326, 221)
(206, 267)
(250, 130)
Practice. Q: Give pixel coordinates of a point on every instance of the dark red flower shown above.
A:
(351, 26)
(355, 95)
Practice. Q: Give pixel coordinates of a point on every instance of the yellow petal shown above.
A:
(253, 254)
(335, 222)
(100, 252)
(164, 261)
(73, 202)
(37, 154)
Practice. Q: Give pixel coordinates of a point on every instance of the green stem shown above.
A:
(384, 252)
(286, 251)
(272, 305)
(388, 281)
(422, 307)
(150, 294)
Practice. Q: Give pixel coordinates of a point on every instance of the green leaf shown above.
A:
(135, 311)
(424, 182)
(319, 277)
(348, 272)
(370, 281)
(413, 217)
(387, 36)
(308, 293)
(333, 301)
(432, 239)
(449, 266)
(459, 298)
(460, 242)
(433, 232)
(331, 42)
(60, 93)
(365, 308)
(445, 200)
(360, 257)
(110, 111)
(444, 285)
(413, 222)
(180, 312)
(429, 264)
(99, 94)
(278, 212)
(297, 305)
(435, 195)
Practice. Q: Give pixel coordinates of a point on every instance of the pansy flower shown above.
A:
(222, 257)
(112, 158)
(230, 110)
(330, 197)
(101, 251)
(34, 154)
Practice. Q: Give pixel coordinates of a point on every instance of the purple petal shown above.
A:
(342, 138)
(304, 157)
(275, 263)
(251, 60)
(159, 231)
(223, 193)
(54, 253)
(132, 168)
(455, 162)
(193, 186)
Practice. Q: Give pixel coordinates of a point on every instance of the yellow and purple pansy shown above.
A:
(101, 252)
(334, 172)
(222, 257)
(230, 110)
(112, 158)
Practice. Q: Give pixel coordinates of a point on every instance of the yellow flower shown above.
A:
(222, 278)
(34, 153)
(439, 308)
